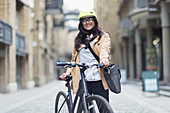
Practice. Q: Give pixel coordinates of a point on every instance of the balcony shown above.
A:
(71, 20)
(58, 22)
(20, 44)
(143, 10)
(142, 6)
(126, 23)
(54, 6)
(5, 33)
(126, 28)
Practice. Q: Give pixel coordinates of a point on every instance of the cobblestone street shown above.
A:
(41, 100)
(132, 100)
(40, 40)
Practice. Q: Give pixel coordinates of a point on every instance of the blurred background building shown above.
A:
(34, 34)
(16, 70)
(109, 21)
(144, 33)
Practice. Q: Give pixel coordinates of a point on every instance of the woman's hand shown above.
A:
(106, 63)
(63, 76)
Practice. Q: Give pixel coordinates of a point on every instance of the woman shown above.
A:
(90, 34)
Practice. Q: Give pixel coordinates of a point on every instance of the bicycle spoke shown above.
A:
(93, 103)
(92, 108)
(61, 105)
(96, 104)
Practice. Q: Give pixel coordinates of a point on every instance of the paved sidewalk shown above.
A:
(19, 98)
(131, 100)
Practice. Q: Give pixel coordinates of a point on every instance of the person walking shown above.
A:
(90, 34)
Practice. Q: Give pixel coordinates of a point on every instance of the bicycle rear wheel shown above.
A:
(96, 104)
(61, 103)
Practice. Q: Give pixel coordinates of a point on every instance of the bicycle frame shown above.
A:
(82, 92)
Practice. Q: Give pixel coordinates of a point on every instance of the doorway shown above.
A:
(19, 72)
(2, 59)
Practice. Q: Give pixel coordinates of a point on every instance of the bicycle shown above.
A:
(87, 103)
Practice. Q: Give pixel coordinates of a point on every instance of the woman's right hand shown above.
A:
(63, 76)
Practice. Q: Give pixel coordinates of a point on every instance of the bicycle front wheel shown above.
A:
(96, 104)
(61, 103)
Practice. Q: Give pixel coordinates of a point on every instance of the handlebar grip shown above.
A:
(101, 65)
(62, 63)
(67, 77)
(59, 78)
(110, 65)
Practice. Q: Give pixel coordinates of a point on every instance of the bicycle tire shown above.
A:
(61, 99)
(100, 105)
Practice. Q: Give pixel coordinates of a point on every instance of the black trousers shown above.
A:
(96, 87)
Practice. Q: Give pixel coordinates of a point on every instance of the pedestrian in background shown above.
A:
(90, 34)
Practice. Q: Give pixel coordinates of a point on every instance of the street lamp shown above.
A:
(156, 44)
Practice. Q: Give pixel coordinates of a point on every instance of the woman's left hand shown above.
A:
(106, 63)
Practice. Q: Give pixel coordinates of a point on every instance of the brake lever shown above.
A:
(100, 65)
(67, 66)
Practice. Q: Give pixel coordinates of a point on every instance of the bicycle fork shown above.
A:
(84, 91)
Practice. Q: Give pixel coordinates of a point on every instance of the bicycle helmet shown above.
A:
(87, 14)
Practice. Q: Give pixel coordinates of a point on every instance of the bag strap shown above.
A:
(91, 50)
(96, 57)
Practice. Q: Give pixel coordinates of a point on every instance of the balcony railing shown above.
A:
(143, 3)
(126, 23)
(58, 23)
(5, 33)
(143, 6)
(20, 44)
(54, 6)
(126, 26)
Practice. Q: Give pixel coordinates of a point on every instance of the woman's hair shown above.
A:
(82, 35)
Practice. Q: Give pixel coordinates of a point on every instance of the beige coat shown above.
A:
(101, 49)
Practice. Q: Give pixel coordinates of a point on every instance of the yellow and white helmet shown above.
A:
(87, 14)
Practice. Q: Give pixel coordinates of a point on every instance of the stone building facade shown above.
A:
(109, 21)
(140, 35)
(28, 38)
(15, 56)
(46, 20)
(144, 31)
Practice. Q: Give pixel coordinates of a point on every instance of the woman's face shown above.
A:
(88, 23)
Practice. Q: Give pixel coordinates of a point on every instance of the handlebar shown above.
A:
(73, 64)
(81, 65)
(66, 64)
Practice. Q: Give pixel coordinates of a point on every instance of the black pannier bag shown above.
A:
(112, 75)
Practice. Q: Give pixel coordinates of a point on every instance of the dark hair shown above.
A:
(81, 37)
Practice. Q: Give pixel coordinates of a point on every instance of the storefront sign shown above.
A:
(151, 63)
(150, 81)
(151, 84)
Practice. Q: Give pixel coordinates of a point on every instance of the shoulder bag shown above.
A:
(112, 74)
